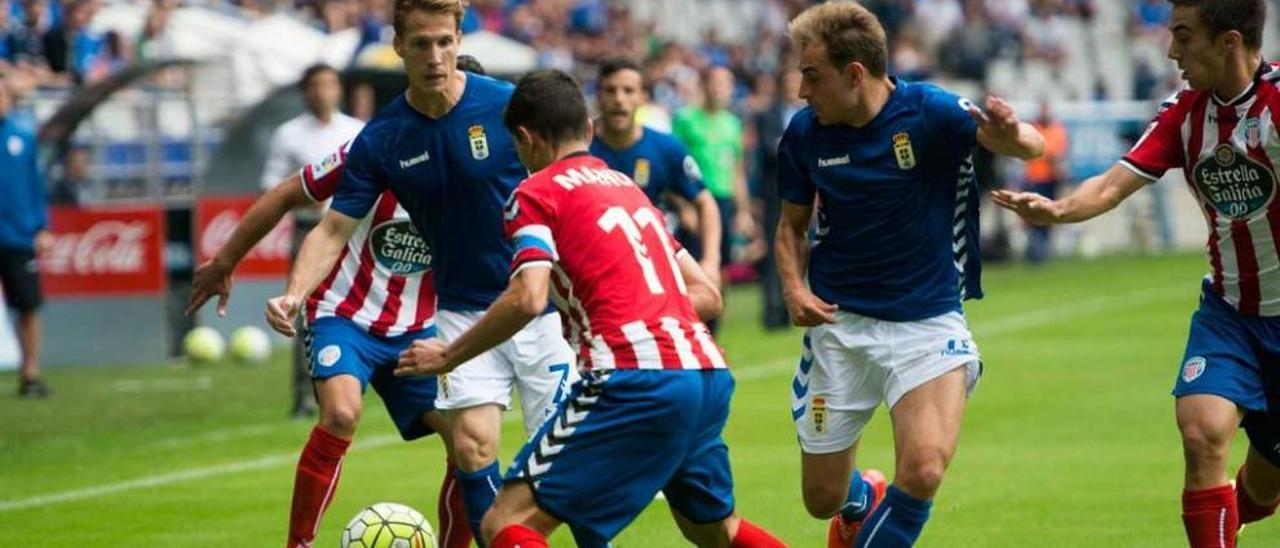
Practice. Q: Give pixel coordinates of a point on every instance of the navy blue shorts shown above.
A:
(338, 346)
(1236, 357)
(622, 436)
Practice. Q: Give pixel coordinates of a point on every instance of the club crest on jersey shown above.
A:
(1253, 132)
(397, 247)
(479, 142)
(1233, 183)
(902, 151)
(1193, 368)
(818, 414)
(642, 172)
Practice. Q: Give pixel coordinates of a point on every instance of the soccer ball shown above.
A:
(250, 345)
(203, 345)
(388, 525)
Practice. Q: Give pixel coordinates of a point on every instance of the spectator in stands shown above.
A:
(25, 44)
(770, 123)
(24, 220)
(153, 42)
(75, 188)
(301, 141)
(714, 137)
(1044, 175)
(72, 47)
(115, 55)
(313, 134)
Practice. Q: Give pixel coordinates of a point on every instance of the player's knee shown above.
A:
(823, 499)
(473, 449)
(921, 475)
(1204, 444)
(340, 420)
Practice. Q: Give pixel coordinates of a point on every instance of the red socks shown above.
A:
(1250, 510)
(518, 536)
(751, 536)
(1210, 517)
(314, 484)
(451, 513)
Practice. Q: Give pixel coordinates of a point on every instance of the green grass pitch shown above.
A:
(1069, 440)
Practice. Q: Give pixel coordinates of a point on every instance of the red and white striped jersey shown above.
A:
(614, 275)
(1229, 151)
(382, 280)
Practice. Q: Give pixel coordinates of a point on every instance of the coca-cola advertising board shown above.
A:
(104, 252)
(217, 217)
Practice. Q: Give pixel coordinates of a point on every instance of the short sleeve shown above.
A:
(687, 177)
(528, 219)
(1160, 147)
(948, 114)
(361, 182)
(794, 184)
(320, 179)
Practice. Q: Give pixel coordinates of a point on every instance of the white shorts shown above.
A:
(537, 361)
(848, 368)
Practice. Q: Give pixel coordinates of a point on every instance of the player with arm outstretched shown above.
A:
(656, 161)
(655, 389)
(887, 165)
(441, 150)
(1221, 132)
(372, 304)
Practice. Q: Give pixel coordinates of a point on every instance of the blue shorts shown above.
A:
(1236, 357)
(622, 436)
(338, 346)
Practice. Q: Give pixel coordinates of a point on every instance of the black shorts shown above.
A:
(20, 278)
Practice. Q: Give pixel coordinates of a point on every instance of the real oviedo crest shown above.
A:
(479, 142)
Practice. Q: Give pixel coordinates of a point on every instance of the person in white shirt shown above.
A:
(302, 141)
(313, 134)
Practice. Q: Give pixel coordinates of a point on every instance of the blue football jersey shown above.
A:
(657, 162)
(897, 235)
(453, 175)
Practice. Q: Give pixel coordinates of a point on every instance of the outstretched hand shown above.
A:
(1033, 208)
(210, 279)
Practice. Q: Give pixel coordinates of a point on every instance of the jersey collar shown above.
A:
(1248, 93)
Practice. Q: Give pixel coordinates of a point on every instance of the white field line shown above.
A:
(1003, 326)
(135, 386)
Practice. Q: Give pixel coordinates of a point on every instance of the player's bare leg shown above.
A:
(320, 464)
(826, 497)
(340, 405)
(822, 496)
(1257, 488)
(1208, 424)
(450, 511)
(926, 428)
(515, 519)
(730, 532)
(475, 434)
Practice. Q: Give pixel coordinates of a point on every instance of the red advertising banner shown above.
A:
(217, 217)
(104, 252)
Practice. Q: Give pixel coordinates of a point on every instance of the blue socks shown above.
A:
(858, 501)
(896, 523)
(479, 488)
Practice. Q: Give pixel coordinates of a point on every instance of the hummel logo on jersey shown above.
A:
(829, 162)
(406, 164)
